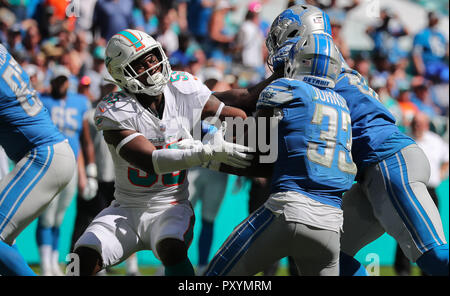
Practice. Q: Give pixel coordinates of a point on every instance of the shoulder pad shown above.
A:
(117, 107)
(184, 82)
(282, 91)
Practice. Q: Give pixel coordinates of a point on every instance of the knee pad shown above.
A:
(435, 261)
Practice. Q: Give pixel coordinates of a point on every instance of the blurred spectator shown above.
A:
(68, 59)
(421, 97)
(362, 65)
(436, 151)
(429, 51)
(49, 23)
(336, 31)
(36, 81)
(336, 12)
(32, 40)
(84, 88)
(84, 20)
(97, 72)
(7, 19)
(219, 31)
(19, 8)
(383, 87)
(180, 59)
(198, 17)
(409, 109)
(145, 17)
(167, 37)
(111, 17)
(81, 51)
(59, 13)
(250, 40)
(15, 42)
(386, 36)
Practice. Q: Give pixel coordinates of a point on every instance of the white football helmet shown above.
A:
(128, 46)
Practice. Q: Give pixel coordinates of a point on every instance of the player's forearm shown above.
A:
(246, 98)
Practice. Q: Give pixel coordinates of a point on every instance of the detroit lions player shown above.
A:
(392, 170)
(302, 217)
(68, 113)
(45, 163)
(141, 124)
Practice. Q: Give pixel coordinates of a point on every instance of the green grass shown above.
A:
(149, 270)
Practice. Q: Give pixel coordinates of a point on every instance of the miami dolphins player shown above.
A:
(141, 125)
(302, 217)
(45, 162)
(390, 194)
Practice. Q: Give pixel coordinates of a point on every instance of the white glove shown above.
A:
(90, 190)
(214, 150)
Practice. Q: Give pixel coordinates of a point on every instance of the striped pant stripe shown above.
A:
(233, 249)
(24, 182)
(406, 203)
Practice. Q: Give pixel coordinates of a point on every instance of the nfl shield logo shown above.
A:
(162, 127)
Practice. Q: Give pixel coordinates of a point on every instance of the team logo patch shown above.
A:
(318, 20)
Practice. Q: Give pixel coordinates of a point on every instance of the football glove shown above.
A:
(90, 190)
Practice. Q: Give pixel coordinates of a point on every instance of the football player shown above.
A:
(141, 125)
(68, 113)
(45, 162)
(390, 194)
(302, 217)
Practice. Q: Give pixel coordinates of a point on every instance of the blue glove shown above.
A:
(282, 54)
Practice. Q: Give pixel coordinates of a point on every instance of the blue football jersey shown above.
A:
(314, 140)
(375, 135)
(68, 114)
(24, 121)
(431, 44)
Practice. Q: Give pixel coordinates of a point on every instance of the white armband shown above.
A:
(216, 116)
(126, 140)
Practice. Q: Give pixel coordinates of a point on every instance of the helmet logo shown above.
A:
(137, 44)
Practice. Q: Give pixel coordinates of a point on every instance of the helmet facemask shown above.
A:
(296, 21)
(126, 59)
(153, 79)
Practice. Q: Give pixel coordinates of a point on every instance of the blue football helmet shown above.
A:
(315, 60)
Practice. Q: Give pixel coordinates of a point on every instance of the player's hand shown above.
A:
(91, 187)
(282, 55)
(216, 148)
(90, 190)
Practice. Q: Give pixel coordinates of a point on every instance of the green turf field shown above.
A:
(149, 270)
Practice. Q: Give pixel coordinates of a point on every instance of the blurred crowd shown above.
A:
(203, 38)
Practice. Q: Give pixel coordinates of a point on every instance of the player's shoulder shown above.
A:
(184, 82)
(282, 91)
(349, 78)
(117, 106)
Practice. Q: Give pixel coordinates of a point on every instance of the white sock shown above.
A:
(55, 264)
(131, 265)
(45, 252)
